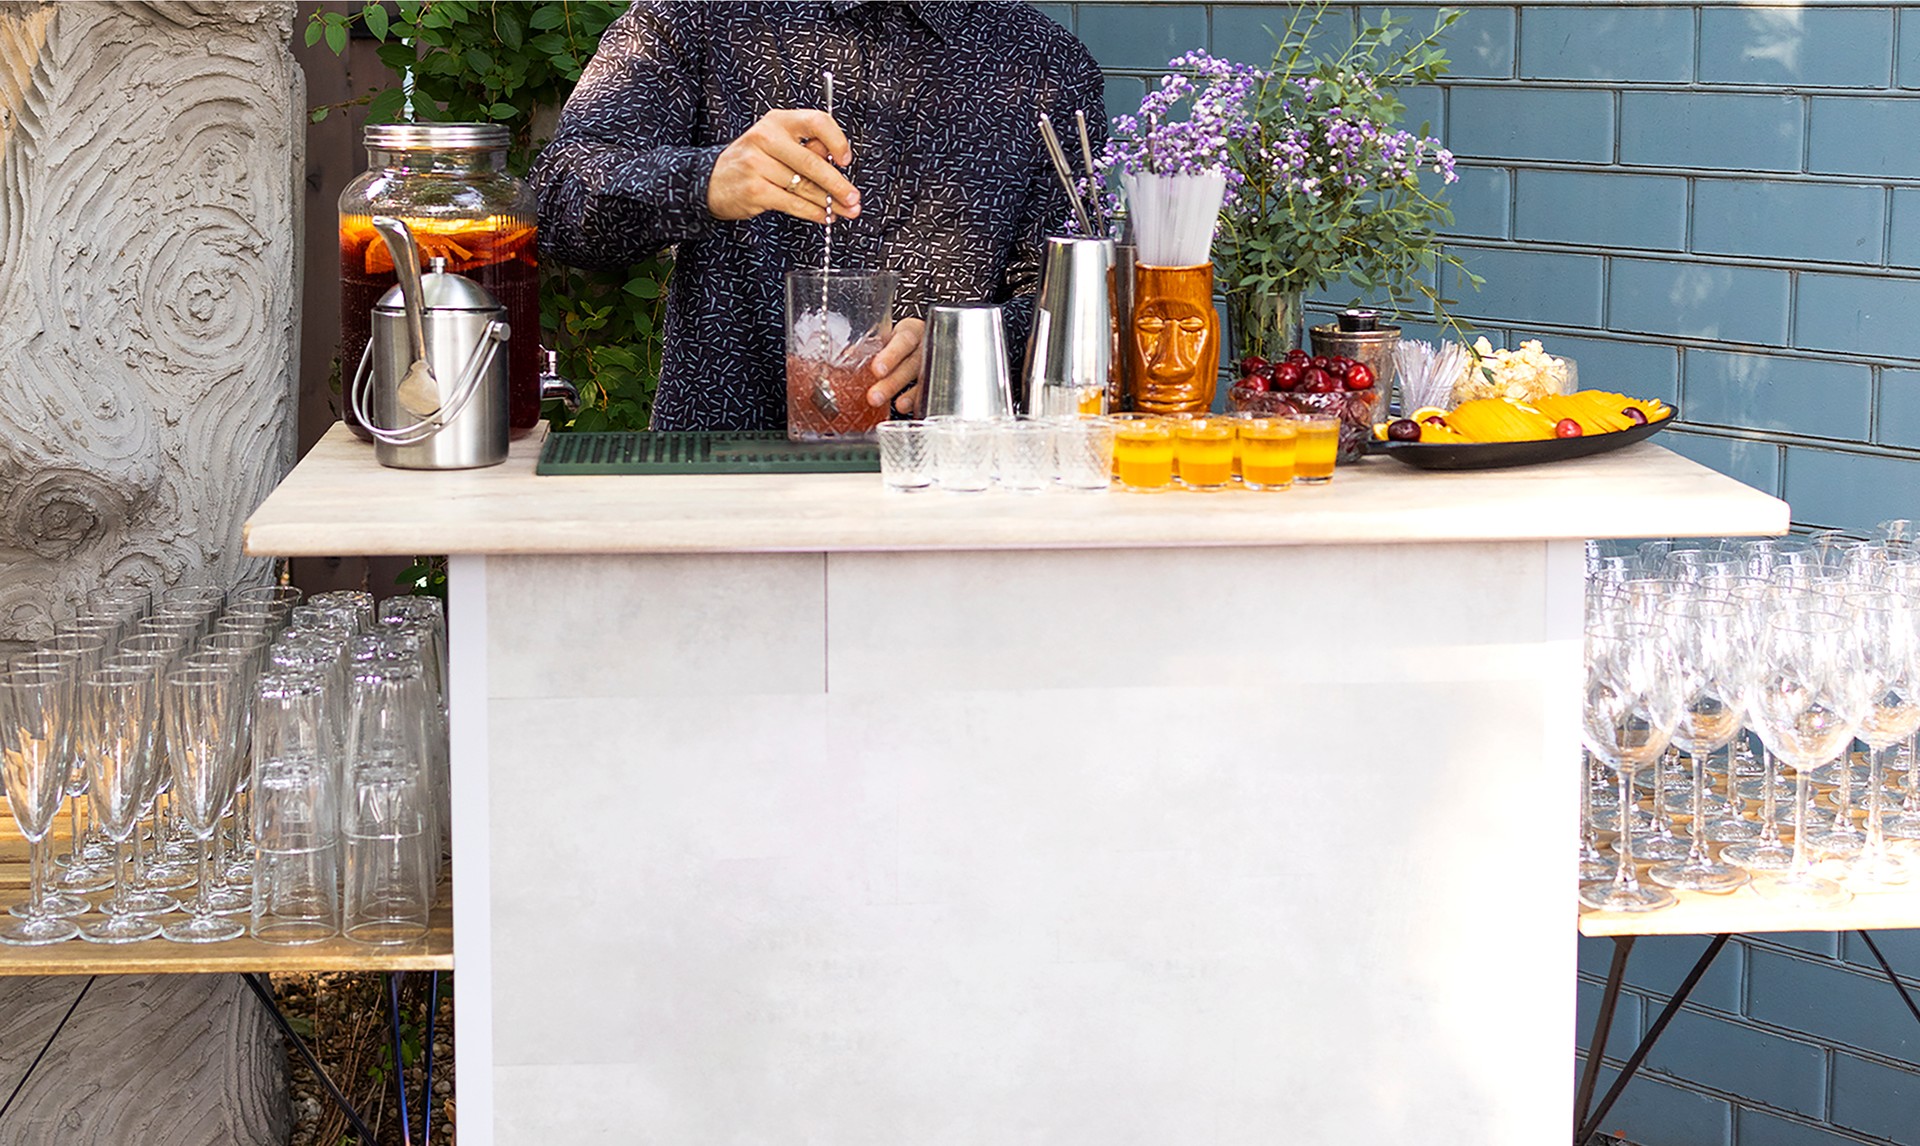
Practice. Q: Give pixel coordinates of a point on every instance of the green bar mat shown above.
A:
(683, 452)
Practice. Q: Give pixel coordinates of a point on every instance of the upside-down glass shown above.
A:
(1631, 703)
(296, 867)
(387, 828)
(203, 751)
(36, 722)
(1805, 701)
(1708, 662)
(119, 708)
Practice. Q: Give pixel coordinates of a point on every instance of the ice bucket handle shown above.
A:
(478, 359)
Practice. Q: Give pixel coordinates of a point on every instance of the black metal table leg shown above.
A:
(1602, 1030)
(265, 994)
(1592, 1124)
(1905, 997)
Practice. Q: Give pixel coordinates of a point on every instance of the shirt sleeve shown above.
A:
(1080, 87)
(624, 175)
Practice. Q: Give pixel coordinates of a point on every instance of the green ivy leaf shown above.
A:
(337, 37)
(547, 16)
(376, 17)
(503, 111)
(314, 30)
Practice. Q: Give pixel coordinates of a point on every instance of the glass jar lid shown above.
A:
(435, 136)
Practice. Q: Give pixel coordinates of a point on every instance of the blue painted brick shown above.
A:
(1638, 368)
(1755, 463)
(1626, 1019)
(1426, 111)
(1652, 1112)
(1791, 395)
(1796, 47)
(1903, 245)
(1859, 314)
(1529, 286)
(1740, 1059)
(1480, 197)
(1835, 490)
(1660, 962)
(1737, 132)
(1247, 32)
(1826, 222)
(1902, 949)
(1907, 53)
(1899, 408)
(1635, 45)
(1863, 136)
(1122, 94)
(1875, 1098)
(1478, 46)
(1698, 300)
(1061, 14)
(1601, 209)
(1141, 36)
(1822, 943)
(1531, 123)
(1758, 1128)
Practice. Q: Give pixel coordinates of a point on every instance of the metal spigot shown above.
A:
(553, 387)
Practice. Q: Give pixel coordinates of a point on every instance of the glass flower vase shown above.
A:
(1266, 323)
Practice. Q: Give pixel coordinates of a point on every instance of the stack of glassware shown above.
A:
(1696, 650)
(278, 761)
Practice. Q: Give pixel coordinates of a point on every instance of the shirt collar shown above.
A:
(945, 17)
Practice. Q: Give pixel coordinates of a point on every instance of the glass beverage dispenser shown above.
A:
(449, 183)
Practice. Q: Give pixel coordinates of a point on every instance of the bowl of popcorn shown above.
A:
(1522, 375)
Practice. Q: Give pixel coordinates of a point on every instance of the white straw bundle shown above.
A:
(1174, 215)
(1427, 374)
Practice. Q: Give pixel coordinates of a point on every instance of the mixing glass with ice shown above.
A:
(837, 320)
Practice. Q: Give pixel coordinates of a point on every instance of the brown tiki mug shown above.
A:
(1172, 340)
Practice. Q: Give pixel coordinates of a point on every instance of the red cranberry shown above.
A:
(1359, 376)
(1252, 364)
(1318, 381)
(1286, 376)
(1567, 428)
(1404, 430)
(1253, 382)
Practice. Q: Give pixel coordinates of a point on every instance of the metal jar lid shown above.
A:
(435, 137)
(442, 291)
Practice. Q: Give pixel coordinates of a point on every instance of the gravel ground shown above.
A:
(344, 1019)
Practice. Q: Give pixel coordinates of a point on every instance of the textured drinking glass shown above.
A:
(296, 864)
(1083, 453)
(1267, 452)
(906, 456)
(1142, 452)
(1023, 454)
(1316, 445)
(387, 829)
(962, 454)
(202, 714)
(119, 712)
(354, 602)
(36, 722)
(1203, 452)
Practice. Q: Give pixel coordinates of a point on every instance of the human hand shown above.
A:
(781, 163)
(897, 366)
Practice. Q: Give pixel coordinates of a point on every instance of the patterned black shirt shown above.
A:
(940, 103)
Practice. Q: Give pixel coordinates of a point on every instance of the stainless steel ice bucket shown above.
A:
(1070, 351)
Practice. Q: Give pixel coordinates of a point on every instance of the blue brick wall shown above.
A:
(1717, 204)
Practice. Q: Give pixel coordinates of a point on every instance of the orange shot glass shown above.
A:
(1316, 446)
(1203, 452)
(1268, 448)
(1142, 452)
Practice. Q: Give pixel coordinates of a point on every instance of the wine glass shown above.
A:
(1705, 633)
(1806, 704)
(36, 722)
(119, 708)
(203, 751)
(1631, 703)
(1890, 656)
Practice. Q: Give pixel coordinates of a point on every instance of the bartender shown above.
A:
(697, 126)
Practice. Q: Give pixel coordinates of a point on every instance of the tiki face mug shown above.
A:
(1173, 339)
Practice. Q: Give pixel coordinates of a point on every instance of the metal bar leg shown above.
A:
(1602, 1030)
(399, 1066)
(1905, 997)
(426, 1082)
(1592, 1124)
(265, 995)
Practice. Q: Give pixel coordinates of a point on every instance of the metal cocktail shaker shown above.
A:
(963, 362)
(1070, 351)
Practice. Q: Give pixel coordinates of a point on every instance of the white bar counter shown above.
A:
(790, 811)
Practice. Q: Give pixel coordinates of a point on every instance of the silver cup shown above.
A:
(963, 362)
(1070, 353)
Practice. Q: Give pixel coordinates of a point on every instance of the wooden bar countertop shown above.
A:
(339, 500)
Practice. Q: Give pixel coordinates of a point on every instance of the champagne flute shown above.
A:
(36, 722)
(118, 711)
(1631, 704)
(203, 750)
